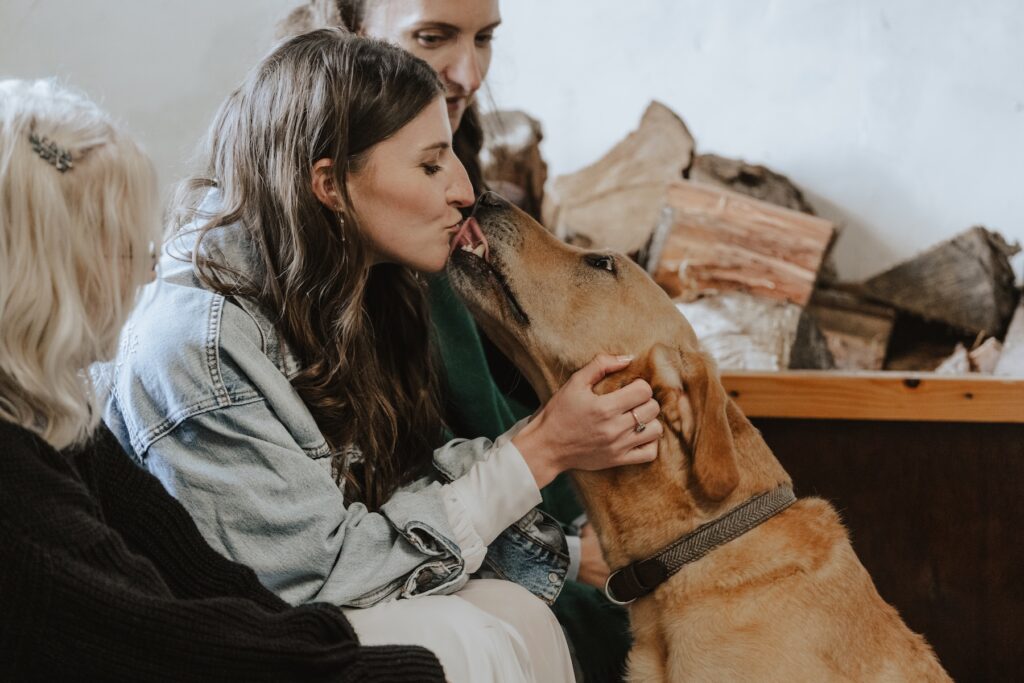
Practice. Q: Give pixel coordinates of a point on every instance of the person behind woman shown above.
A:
(280, 382)
(484, 394)
(103, 575)
(453, 36)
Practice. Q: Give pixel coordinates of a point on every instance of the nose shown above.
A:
(492, 200)
(460, 190)
(465, 70)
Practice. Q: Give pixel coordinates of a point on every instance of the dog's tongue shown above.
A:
(470, 238)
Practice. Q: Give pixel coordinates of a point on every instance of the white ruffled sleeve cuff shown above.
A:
(493, 494)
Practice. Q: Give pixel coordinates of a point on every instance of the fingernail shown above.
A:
(624, 359)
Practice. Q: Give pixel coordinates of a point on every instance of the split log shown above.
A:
(919, 345)
(722, 241)
(856, 331)
(759, 182)
(980, 360)
(617, 201)
(810, 347)
(511, 161)
(985, 356)
(966, 282)
(958, 363)
(1011, 361)
(751, 180)
(744, 332)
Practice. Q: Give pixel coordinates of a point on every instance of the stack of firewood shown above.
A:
(743, 254)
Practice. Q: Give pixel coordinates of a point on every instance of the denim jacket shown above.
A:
(199, 394)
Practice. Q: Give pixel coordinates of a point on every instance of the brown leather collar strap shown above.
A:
(640, 578)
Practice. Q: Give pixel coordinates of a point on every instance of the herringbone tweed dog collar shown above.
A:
(640, 578)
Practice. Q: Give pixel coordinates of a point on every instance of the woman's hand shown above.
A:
(593, 569)
(577, 429)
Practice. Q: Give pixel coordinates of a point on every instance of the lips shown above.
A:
(470, 238)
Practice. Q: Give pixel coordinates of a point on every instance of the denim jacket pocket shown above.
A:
(532, 552)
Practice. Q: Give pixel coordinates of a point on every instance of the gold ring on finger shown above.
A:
(640, 426)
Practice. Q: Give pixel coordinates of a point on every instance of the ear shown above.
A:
(324, 186)
(694, 405)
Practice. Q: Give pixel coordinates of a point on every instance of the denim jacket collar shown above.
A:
(230, 246)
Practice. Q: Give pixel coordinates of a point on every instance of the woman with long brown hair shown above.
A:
(482, 392)
(280, 380)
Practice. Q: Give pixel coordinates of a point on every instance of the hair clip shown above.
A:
(51, 153)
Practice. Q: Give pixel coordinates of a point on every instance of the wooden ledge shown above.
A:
(877, 396)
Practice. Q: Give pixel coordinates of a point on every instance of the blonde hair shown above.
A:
(74, 248)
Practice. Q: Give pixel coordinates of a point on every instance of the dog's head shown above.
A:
(552, 307)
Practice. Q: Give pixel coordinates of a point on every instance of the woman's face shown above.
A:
(453, 36)
(407, 195)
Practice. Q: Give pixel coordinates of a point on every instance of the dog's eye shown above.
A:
(602, 261)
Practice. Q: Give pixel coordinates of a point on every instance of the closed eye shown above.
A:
(432, 38)
(601, 262)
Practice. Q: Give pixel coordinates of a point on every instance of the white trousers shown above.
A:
(491, 630)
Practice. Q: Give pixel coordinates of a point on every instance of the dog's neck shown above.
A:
(673, 504)
(541, 378)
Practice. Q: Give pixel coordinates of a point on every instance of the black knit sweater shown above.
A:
(104, 576)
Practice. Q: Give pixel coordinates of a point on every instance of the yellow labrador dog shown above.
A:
(754, 585)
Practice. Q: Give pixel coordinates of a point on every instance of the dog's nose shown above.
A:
(491, 199)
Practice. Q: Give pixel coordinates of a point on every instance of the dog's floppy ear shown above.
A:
(694, 404)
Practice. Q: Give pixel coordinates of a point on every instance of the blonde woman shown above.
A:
(103, 576)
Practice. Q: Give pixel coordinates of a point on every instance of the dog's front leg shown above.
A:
(646, 664)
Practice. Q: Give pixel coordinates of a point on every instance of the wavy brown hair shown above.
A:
(467, 141)
(361, 333)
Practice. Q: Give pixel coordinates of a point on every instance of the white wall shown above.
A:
(902, 119)
(161, 66)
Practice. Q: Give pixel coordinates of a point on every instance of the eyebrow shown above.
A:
(438, 146)
(451, 28)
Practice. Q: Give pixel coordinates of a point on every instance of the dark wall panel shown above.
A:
(935, 511)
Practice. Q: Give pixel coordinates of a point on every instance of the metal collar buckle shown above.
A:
(608, 589)
(634, 581)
